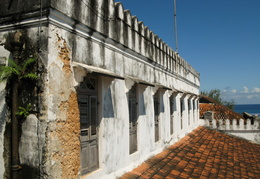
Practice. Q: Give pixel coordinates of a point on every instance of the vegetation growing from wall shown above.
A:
(19, 72)
(20, 77)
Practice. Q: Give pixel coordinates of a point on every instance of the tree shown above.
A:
(216, 95)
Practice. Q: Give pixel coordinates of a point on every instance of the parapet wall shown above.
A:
(247, 129)
(111, 21)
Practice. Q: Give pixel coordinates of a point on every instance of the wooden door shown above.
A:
(132, 106)
(156, 117)
(87, 99)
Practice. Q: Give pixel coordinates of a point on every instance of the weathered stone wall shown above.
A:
(62, 135)
(108, 22)
(49, 146)
(113, 129)
(117, 27)
(5, 134)
(3, 118)
(32, 130)
(16, 11)
(99, 33)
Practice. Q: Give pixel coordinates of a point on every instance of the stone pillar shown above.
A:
(183, 111)
(191, 110)
(196, 110)
(209, 115)
(175, 112)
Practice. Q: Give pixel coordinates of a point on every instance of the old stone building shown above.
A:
(109, 94)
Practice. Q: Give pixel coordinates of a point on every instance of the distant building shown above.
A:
(220, 117)
(220, 111)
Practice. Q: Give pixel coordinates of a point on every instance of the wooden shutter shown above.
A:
(156, 117)
(171, 114)
(132, 106)
(182, 108)
(93, 114)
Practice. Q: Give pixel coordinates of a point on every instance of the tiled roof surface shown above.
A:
(220, 111)
(203, 153)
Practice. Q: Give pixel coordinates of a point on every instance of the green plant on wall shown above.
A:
(23, 112)
(20, 77)
(20, 71)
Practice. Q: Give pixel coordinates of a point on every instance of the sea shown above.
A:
(253, 109)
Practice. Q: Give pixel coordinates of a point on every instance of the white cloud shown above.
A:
(244, 96)
(256, 90)
(245, 90)
(250, 96)
(253, 96)
(233, 91)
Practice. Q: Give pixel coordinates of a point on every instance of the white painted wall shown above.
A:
(114, 128)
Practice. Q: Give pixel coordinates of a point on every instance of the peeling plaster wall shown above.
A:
(63, 145)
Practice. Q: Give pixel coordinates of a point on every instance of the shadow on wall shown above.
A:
(108, 104)
(142, 111)
(2, 117)
(29, 172)
(162, 107)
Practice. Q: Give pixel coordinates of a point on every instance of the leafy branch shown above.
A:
(216, 95)
(20, 71)
(24, 112)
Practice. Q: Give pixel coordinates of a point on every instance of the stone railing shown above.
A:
(248, 129)
(234, 124)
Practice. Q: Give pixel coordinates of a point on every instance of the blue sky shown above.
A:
(219, 38)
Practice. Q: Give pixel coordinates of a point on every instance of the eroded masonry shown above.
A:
(109, 93)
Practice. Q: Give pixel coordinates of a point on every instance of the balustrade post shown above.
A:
(241, 124)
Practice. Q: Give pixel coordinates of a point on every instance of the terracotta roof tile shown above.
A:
(220, 111)
(204, 153)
